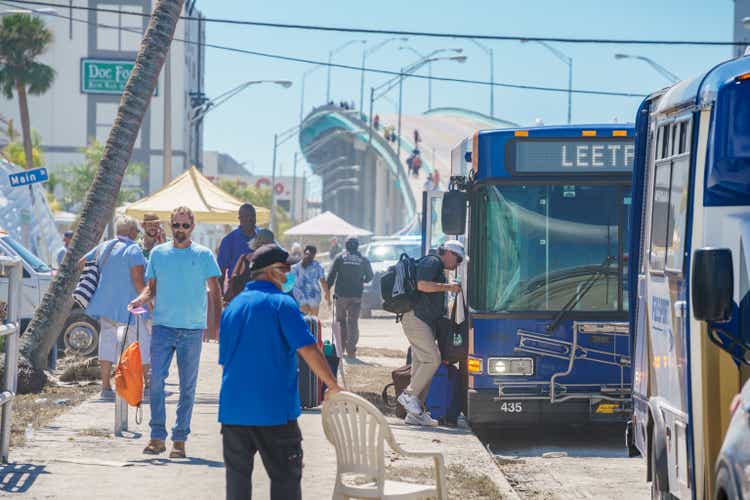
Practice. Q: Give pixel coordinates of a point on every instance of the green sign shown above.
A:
(104, 76)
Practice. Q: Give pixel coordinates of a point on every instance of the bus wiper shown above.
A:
(576, 298)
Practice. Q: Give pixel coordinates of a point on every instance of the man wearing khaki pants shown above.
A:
(419, 327)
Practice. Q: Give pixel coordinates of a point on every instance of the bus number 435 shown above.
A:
(511, 407)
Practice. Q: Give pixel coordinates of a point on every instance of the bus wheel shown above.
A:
(630, 440)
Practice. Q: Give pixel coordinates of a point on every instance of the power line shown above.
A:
(280, 57)
(393, 32)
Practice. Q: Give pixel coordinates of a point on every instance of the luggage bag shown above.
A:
(310, 387)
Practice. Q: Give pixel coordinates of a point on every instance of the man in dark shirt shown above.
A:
(262, 331)
(236, 243)
(350, 271)
(419, 326)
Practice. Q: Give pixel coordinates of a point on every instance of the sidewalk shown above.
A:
(78, 457)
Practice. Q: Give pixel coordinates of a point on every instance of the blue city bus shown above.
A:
(547, 239)
(690, 309)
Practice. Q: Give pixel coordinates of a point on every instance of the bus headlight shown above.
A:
(510, 366)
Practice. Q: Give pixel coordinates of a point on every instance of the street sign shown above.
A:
(104, 76)
(28, 177)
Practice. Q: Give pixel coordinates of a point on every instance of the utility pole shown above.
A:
(294, 188)
(273, 183)
(167, 150)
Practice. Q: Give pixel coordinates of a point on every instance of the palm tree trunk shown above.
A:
(23, 105)
(49, 317)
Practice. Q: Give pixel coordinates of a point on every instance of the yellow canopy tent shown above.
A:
(210, 204)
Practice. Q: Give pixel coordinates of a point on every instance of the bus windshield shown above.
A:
(536, 246)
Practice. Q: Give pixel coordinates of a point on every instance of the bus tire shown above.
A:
(630, 440)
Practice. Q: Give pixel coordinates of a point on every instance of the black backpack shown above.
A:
(398, 286)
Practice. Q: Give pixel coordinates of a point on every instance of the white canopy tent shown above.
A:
(326, 224)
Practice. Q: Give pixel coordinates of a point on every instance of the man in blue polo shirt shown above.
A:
(262, 330)
(237, 243)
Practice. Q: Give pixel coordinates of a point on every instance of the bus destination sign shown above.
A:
(564, 156)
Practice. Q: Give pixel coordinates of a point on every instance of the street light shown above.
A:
(279, 138)
(491, 54)
(404, 73)
(658, 67)
(429, 66)
(567, 60)
(302, 90)
(368, 52)
(330, 60)
(198, 112)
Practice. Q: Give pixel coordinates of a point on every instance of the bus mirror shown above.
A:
(713, 284)
(453, 212)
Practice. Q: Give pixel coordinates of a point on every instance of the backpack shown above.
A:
(398, 286)
(238, 281)
(401, 378)
(129, 372)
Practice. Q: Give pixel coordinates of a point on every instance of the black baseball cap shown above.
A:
(271, 254)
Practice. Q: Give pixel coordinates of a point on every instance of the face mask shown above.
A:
(289, 284)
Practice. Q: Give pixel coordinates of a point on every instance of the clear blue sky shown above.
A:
(244, 126)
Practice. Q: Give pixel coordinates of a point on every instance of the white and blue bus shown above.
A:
(690, 259)
(546, 234)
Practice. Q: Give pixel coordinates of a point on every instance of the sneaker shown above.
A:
(424, 419)
(107, 395)
(410, 403)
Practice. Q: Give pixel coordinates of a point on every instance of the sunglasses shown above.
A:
(184, 225)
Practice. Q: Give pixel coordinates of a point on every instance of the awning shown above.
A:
(208, 202)
(326, 224)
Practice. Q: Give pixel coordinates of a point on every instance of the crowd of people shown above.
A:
(264, 293)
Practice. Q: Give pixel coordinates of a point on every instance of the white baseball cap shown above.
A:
(456, 247)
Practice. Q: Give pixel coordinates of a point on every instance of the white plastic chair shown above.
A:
(358, 431)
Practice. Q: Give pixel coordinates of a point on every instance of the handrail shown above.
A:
(12, 269)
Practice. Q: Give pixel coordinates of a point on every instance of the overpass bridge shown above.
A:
(364, 179)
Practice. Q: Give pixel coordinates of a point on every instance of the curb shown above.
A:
(501, 482)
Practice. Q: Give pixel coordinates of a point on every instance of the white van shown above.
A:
(80, 333)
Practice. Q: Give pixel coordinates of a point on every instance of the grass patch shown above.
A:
(462, 483)
(41, 408)
(95, 432)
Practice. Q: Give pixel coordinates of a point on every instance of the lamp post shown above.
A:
(429, 66)
(404, 73)
(567, 60)
(332, 53)
(302, 90)
(658, 67)
(279, 138)
(491, 54)
(368, 52)
(198, 112)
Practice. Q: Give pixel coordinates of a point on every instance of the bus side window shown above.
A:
(678, 200)
(660, 217)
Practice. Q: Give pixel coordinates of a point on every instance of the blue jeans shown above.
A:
(165, 341)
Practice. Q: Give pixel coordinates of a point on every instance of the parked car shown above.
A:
(733, 464)
(383, 254)
(80, 333)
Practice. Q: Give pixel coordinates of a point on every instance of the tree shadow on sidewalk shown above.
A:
(18, 478)
(180, 461)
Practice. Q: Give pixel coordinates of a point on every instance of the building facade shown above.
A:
(93, 53)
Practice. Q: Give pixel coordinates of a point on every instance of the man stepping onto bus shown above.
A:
(419, 326)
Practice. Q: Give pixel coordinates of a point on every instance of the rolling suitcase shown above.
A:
(442, 394)
(310, 387)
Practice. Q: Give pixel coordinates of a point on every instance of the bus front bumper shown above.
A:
(485, 407)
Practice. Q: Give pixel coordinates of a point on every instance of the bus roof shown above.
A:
(702, 89)
(562, 130)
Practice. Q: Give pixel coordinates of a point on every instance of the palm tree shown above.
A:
(23, 38)
(42, 332)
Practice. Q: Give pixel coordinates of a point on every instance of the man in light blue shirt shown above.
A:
(178, 273)
(121, 267)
